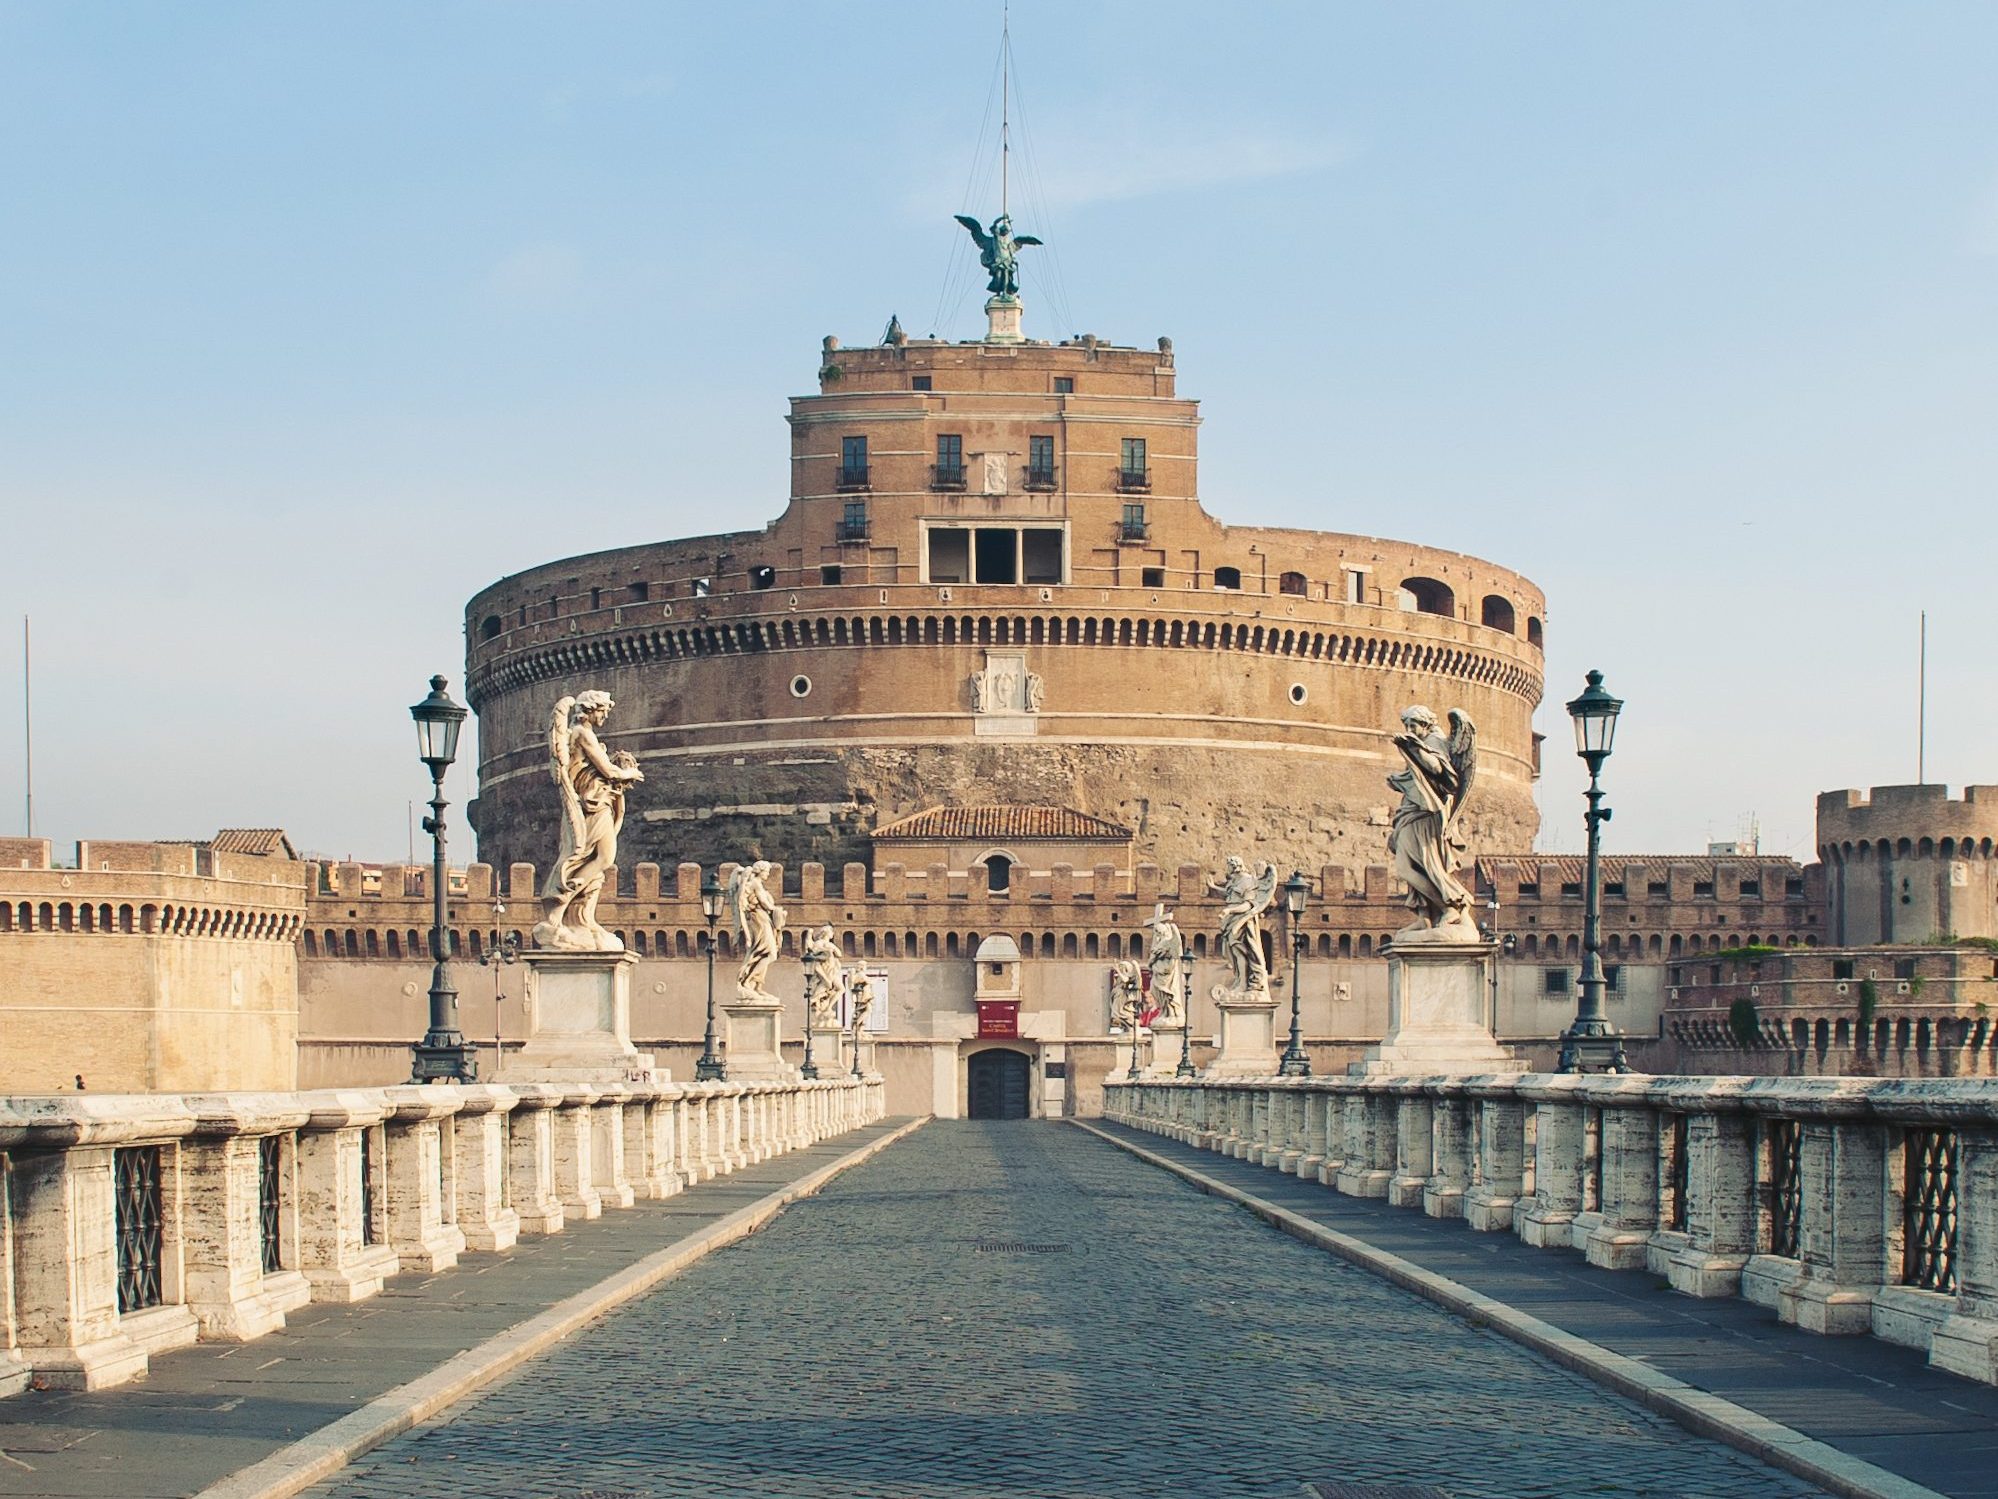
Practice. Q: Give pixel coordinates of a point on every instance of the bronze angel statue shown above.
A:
(1427, 851)
(996, 252)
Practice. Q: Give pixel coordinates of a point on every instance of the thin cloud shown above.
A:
(534, 278)
(1117, 161)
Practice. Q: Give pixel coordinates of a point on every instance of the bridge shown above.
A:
(1523, 1285)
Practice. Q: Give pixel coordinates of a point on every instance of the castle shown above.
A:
(995, 585)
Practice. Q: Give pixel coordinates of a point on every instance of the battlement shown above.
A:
(1912, 815)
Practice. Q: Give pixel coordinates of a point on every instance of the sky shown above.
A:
(317, 318)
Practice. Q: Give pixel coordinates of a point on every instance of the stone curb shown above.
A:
(318, 1456)
(1705, 1414)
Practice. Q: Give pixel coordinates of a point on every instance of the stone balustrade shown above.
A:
(135, 1223)
(1846, 1205)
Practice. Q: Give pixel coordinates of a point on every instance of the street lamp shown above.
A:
(1296, 890)
(505, 949)
(810, 1070)
(1592, 1044)
(1185, 1067)
(709, 1069)
(443, 1054)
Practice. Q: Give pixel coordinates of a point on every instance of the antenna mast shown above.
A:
(1922, 706)
(1005, 101)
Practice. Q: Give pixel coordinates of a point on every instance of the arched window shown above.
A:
(1427, 596)
(998, 873)
(1227, 577)
(1292, 583)
(1496, 613)
(491, 628)
(1533, 629)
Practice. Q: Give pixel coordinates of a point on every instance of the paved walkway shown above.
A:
(206, 1411)
(1024, 1309)
(1869, 1399)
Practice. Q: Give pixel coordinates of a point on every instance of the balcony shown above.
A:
(1130, 529)
(1134, 480)
(1039, 480)
(851, 479)
(851, 528)
(947, 476)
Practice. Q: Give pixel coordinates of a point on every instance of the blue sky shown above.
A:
(316, 318)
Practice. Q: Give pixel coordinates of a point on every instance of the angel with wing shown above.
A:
(1244, 898)
(997, 252)
(1423, 839)
(758, 920)
(592, 784)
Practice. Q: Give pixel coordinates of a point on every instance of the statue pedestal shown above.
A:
(577, 1007)
(1002, 320)
(1439, 1011)
(829, 1051)
(1248, 1038)
(1162, 1056)
(756, 1043)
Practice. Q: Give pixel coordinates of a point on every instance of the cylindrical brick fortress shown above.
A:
(994, 584)
(1909, 863)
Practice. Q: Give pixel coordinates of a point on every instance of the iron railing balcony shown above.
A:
(1040, 479)
(1134, 530)
(851, 529)
(854, 478)
(1134, 480)
(947, 476)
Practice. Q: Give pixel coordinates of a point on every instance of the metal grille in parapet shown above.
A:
(1929, 1188)
(270, 1202)
(1785, 1139)
(1679, 1179)
(137, 1172)
(367, 1188)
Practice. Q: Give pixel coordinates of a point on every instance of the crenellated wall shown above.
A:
(1910, 863)
(148, 967)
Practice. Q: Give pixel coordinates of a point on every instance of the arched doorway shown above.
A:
(996, 1084)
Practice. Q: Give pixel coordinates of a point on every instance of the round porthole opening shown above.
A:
(1297, 693)
(801, 686)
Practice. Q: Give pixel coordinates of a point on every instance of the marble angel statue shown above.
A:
(591, 784)
(1423, 838)
(758, 921)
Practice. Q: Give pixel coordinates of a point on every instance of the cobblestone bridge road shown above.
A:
(1022, 1309)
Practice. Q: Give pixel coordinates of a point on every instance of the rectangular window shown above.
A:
(996, 555)
(829, 575)
(1571, 889)
(1793, 889)
(1064, 385)
(949, 473)
(1613, 977)
(1134, 521)
(1356, 586)
(1841, 968)
(1658, 889)
(919, 382)
(1040, 463)
(1555, 980)
(640, 592)
(1529, 889)
(1904, 968)
(1134, 471)
(950, 556)
(1153, 577)
(852, 462)
(853, 521)
(1751, 889)
(1613, 888)
(1703, 889)
(1040, 554)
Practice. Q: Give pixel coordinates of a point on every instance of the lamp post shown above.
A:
(810, 1071)
(709, 1068)
(1592, 1044)
(443, 1055)
(505, 950)
(1296, 1062)
(1185, 1067)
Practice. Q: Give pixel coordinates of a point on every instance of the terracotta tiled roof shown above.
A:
(1001, 824)
(271, 842)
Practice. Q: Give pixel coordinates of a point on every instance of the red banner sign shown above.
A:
(998, 1019)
